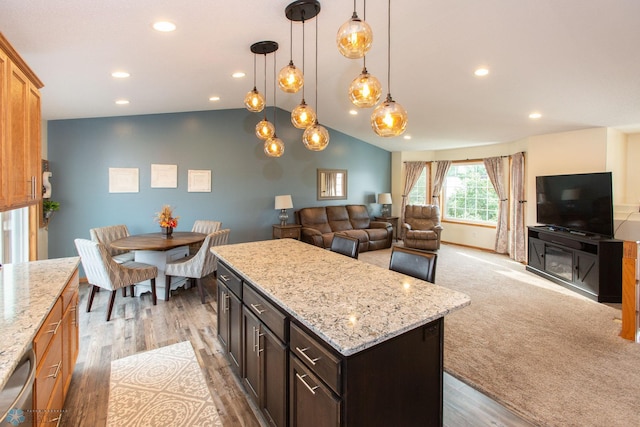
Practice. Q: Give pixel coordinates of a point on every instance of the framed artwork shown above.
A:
(123, 180)
(199, 181)
(164, 176)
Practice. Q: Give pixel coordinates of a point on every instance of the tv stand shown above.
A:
(588, 265)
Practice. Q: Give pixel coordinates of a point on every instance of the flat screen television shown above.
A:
(579, 203)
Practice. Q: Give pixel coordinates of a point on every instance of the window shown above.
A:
(469, 194)
(420, 191)
(14, 236)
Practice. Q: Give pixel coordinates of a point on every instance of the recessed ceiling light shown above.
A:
(353, 112)
(122, 101)
(238, 75)
(407, 137)
(535, 116)
(120, 74)
(214, 98)
(481, 72)
(164, 26)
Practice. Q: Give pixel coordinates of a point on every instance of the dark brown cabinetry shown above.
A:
(589, 265)
(297, 379)
(230, 316)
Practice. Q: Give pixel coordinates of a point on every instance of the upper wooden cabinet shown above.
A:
(20, 131)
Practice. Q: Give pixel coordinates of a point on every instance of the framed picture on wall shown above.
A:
(164, 176)
(199, 181)
(123, 180)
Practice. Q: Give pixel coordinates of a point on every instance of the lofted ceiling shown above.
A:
(574, 61)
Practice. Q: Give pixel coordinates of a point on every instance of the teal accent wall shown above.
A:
(244, 180)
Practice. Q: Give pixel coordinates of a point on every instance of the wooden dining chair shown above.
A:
(415, 263)
(197, 266)
(345, 245)
(103, 271)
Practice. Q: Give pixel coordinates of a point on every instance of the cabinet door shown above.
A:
(18, 185)
(312, 404)
(223, 315)
(251, 355)
(273, 355)
(586, 272)
(234, 342)
(70, 342)
(536, 254)
(4, 164)
(34, 150)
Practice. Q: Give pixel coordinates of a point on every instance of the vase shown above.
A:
(167, 232)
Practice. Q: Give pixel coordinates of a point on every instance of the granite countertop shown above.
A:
(28, 291)
(350, 304)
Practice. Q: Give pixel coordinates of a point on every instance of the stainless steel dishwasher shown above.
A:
(16, 398)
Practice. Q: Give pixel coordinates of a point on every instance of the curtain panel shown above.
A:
(517, 247)
(495, 170)
(412, 171)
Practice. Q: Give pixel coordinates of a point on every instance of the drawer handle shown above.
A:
(54, 330)
(255, 307)
(57, 366)
(302, 352)
(311, 389)
(225, 303)
(224, 277)
(56, 420)
(256, 340)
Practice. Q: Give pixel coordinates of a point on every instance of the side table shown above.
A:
(291, 231)
(394, 222)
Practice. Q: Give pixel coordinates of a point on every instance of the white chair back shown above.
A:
(106, 235)
(206, 226)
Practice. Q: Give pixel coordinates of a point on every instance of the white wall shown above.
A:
(583, 151)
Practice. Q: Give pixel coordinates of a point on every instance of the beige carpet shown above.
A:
(162, 387)
(543, 351)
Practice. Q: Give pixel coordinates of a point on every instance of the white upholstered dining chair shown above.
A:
(205, 226)
(106, 235)
(196, 266)
(103, 272)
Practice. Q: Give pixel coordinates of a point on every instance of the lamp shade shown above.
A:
(284, 202)
(385, 199)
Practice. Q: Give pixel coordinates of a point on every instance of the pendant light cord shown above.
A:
(303, 43)
(265, 86)
(291, 40)
(316, 69)
(364, 19)
(254, 70)
(389, 51)
(274, 93)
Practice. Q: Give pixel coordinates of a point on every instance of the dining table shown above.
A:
(158, 249)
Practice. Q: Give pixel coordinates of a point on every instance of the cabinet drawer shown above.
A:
(50, 328)
(230, 279)
(266, 312)
(69, 291)
(311, 402)
(316, 357)
(48, 373)
(291, 233)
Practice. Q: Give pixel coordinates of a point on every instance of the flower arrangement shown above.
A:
(165, 217)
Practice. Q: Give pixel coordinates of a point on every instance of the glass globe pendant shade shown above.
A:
(365, 90)
(265, 129)
(274, 147)
(290, 78)
(354, 38)
(254, 101)
(303, 116)
(315, 137)
(389, 118)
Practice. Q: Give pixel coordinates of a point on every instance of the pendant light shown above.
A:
(274, 147)
(316, 137)
(264, 128)
(365, 90)
(389, 118)
(290, 78)
(303, 115)
(354, 37)
(253, 100)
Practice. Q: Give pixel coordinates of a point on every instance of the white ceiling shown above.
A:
(574, 61)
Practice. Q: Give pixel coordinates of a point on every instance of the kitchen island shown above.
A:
(38, 310)
(318, 338)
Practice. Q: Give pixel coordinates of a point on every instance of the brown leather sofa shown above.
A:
(320, 223)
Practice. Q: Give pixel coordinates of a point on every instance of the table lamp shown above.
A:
(385, 200)
(283, 203)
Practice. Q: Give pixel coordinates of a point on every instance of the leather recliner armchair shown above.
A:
(421, 228)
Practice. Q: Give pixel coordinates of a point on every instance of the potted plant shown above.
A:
(48, 208)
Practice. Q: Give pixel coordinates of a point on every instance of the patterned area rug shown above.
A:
(161, 387)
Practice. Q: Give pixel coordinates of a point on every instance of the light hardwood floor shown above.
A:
(136, 325)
